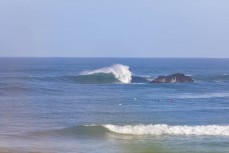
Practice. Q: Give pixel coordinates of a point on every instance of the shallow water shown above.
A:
(53, 105)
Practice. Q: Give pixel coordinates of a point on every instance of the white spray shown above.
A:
(121, 72)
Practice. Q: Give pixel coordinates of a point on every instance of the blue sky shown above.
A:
(114, 28)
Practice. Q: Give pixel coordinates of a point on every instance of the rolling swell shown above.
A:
(96, 78)
(76, 131)
(150, 130)
(117, 73)
(113, 74)
(103, 78)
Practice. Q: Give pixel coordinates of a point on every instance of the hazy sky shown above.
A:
(114, 28)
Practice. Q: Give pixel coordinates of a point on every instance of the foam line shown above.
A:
(163, 129)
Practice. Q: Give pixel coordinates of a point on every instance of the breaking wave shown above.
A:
(150, 130)
(119, 71)
(164, 129)
(96, 78)
(113, 74)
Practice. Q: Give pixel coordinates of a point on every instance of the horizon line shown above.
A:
(111, 57)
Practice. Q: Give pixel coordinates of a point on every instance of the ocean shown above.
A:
(108, 105)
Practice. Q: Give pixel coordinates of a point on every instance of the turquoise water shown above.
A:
(108, 105)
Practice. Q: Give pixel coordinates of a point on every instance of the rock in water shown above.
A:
(173, 78)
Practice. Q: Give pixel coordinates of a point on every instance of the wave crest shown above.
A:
(164, 129)
(120, 72)
(151, 130)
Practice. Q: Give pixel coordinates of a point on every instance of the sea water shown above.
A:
(108, 105)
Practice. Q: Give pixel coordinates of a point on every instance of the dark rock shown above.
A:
(173, 78)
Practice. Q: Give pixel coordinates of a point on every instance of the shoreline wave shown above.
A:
(164, 129)
(138, 130)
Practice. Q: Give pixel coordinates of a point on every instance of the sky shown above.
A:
(114, 28)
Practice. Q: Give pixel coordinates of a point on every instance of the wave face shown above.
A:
(120, 72)
(96, 78)
(151, 130)
(82, 130)
(163, 129)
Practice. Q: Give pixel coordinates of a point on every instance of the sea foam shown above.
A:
(120, 72)
(164, 129)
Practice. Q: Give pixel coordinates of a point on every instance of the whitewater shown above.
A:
(164, 129)
(120, 72)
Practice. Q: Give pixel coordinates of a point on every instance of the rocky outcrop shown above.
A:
(173, 78)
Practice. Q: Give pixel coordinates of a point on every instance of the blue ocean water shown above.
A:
(109, 105)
